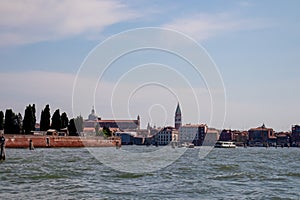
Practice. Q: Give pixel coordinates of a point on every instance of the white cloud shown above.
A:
(24, 21)
(205, 26)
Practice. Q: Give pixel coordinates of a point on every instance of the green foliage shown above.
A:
(56, 121)
(64, 120)
(45, 119)
(19, 123)
(72, 128)
(79, 123)
(34, 117)
(1, 120)
(29, 119)
(97, 131)
(8, 124)
(12, 123)
(106, 132)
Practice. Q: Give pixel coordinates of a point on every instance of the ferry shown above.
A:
(225, 144)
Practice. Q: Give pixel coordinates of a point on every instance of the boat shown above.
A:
(190, 145)
(225, 144)
(187, 145)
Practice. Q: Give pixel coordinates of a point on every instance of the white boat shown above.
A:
(225, 144)
(187, 145)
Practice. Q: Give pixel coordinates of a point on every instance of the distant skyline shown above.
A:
(255, 45)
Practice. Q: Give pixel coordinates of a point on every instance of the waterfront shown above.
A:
(69, 173)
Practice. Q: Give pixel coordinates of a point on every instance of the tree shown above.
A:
(10, 122)
(18, 123)
(29, 119)
(79, 123)
(72, 128)
(97, 131)
(45, 119)
(56, 121)
(106, 131)
(1, 120)
(64, 120)
(33, 117)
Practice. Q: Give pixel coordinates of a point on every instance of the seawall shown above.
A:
(45, 141)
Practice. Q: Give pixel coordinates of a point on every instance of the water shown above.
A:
(73, 173)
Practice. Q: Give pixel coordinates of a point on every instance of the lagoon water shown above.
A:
(74, 173)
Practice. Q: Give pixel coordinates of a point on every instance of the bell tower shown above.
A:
(177, 117)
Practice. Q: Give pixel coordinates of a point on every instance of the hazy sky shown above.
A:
(255, 45)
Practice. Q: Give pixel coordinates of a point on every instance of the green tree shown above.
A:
(97, 131)
(1, 120)
(79, 123)
(72, 128)
(18, 123)
(29, 119)
(33, 117)
(64, 120)
(11, 122)
(45, 119)
(106, 131)
(56, 121)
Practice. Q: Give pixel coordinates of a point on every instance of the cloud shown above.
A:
(205, 26)
(23, 22)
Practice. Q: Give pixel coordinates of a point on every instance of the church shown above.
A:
(121, 125)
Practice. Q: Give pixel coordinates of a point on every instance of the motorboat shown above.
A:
(187, 145)
(225, 144)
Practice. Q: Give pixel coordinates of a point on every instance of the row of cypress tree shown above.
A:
(13, 123)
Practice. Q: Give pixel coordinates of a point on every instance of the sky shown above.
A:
(254, 45)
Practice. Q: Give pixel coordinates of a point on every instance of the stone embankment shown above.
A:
(45, 141)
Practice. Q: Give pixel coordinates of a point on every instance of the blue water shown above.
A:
(74, 173)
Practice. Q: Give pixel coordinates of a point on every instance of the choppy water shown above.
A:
(68, 173)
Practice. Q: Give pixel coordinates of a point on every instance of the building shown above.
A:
(283, 139)
(240, 137)
(166, 135)
(261, 136)
(226, 135)
(192, 134)
(177, 117)
(122, 125)
(139, 140)
(92, 116)
(127, 138)
(295, 137)
(211, 137)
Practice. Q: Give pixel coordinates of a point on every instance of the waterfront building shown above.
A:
(192, 134)
(123, 125)
(283, 139)
(240, 137)
(295, 135)
(177, 117)
(262, 136)
(166, 135)
(211, 137)
(139, 140)
(226, 135)
(127, 138)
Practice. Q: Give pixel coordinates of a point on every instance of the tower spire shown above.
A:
(177, 117)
